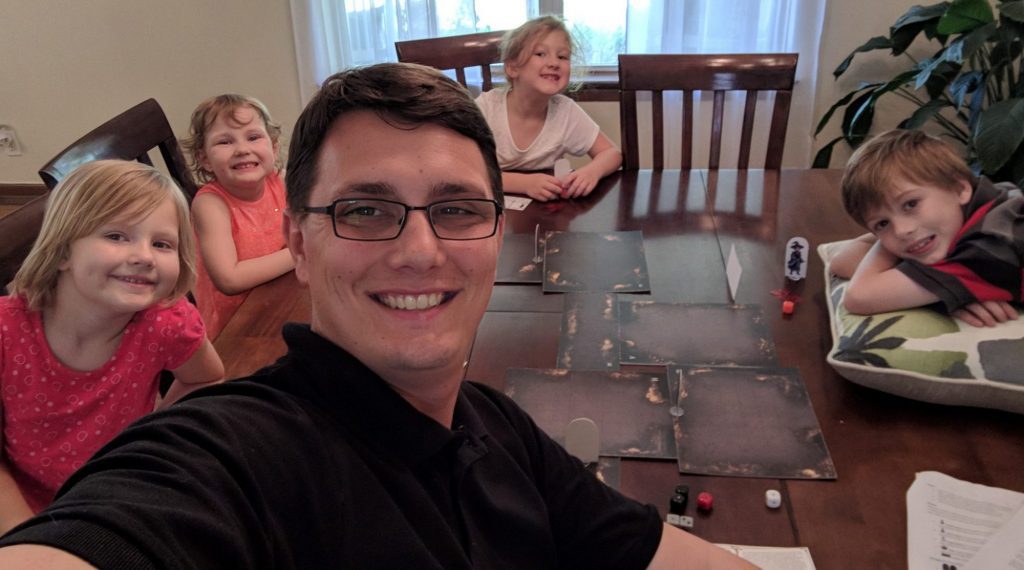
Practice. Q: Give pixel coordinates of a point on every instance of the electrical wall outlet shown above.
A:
(9, 141)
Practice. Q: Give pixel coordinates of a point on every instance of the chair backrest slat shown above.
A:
(715, 73)
(657, 128)
(455, 52)
(747, 131)
(128, 136)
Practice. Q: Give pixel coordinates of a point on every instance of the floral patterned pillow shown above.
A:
(925, 354)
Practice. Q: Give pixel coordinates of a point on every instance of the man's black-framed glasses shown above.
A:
(371, 219)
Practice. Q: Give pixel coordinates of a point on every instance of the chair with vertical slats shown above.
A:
(455, 52)
(718, 73)
(128, 136)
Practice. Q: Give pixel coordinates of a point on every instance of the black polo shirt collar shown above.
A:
(356, 397)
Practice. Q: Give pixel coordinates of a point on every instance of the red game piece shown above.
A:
(787, 307)
(704, 501)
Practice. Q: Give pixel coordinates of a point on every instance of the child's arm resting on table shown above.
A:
(13, 508)
(537, 185)
(986, 313)
(845, 262)
(605, 158)
(878, 287)
(203, 368)
(869, 291)
(213, 229)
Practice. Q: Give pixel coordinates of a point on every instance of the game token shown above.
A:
(704, 501)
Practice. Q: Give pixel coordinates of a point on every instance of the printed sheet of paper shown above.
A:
(958, 524)
(597, 262)
(631, 410)
(747, 422)
(773, 557)
(711, 334)
(517, 203)
(590, 332)
(515, 264)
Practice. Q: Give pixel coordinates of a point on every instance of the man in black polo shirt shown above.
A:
(362, 447)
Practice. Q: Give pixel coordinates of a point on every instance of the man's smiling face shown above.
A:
(411, 304)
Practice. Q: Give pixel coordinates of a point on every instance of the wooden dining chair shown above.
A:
(718, 73)
(128, 136)
(18, 231)
(455, 52)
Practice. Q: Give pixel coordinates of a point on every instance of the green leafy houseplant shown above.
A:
(972, 88)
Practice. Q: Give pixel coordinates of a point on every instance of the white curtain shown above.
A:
(331, 35)
(737, 26)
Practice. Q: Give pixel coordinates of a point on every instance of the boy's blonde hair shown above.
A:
(899, 155)
(516, 43)
(95, 194)
(208, 111)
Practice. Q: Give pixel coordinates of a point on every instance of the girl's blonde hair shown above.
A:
(95, 194)
(515, 45)
(208, 111)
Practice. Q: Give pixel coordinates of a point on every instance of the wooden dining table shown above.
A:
(690, 220)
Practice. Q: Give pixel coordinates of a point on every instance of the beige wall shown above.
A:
(848, 24)
(68, 66)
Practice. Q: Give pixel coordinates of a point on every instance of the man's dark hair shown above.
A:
(403, 94)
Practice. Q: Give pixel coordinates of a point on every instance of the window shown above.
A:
(331, 35)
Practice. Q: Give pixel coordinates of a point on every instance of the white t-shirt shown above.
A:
(567, 129)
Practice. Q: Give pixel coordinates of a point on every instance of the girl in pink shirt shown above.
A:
(96, 311)
(238, 213)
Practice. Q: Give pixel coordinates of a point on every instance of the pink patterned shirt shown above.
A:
(256, 231)
(55, 418)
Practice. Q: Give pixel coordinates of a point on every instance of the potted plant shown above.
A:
(972, 88)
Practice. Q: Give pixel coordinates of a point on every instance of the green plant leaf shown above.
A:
(1013, 170)
(907, 27)
(965, 15)
(925, 68)
(1013, 10)
(846, 99)
(924, 114)
(972, 42)
(917, 14)
(824, 156)
(964, 85)
(859, 115)
(902, 38)
(940, 78)
(1000, 132)
(877, 42)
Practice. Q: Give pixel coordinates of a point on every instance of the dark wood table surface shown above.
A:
(689, 220)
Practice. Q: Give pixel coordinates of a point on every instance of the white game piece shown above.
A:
(772, 499)
(796, 258)
(685, 521)
(562, 168)
(582, 440)
(733, 270)
(672, 519)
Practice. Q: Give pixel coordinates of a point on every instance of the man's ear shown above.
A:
(293, 237)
